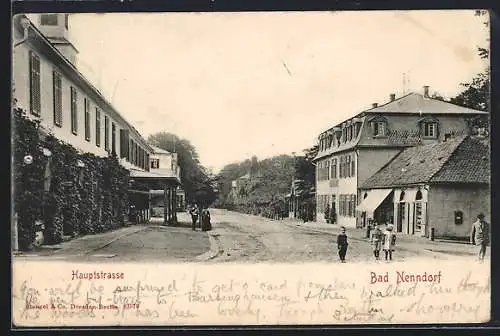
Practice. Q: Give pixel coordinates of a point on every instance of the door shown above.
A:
(401, 216)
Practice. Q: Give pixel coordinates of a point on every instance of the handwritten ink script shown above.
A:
(237, 294)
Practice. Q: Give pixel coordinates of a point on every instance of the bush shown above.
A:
(79, 201)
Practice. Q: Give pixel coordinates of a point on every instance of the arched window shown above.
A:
(418, 196)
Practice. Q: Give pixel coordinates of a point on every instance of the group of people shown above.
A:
(380, 240)
(206, 224)
(386, 240)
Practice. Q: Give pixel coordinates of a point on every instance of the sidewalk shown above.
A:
(408, 242)
(86, 244)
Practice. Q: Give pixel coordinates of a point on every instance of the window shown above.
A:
(35, 104)
(334, 168)
(430, 130)
(74, 111)
(124, 140)
(113, 138)
(353, 166)
(57, 91)
(379, 128)
(348, 165)
(147, 162)
(97, 127)
(350, 132)
(48, 20)
(155, 163)
(66, 21)
(87, 118)
(327, 170)
(106, 133)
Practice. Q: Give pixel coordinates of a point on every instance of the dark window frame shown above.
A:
(97, 127)
(57, 97)
(74, 110)
(86, 107)
(35, 84)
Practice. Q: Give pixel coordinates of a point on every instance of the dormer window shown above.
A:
(379, 128)
(48, 20)
(430, 129)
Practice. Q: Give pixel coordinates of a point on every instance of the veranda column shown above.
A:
(174, 196)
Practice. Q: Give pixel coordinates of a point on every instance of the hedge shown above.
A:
(78, 201)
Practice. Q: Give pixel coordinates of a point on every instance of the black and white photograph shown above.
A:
(262, 168)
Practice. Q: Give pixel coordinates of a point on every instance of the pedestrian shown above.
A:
(194, 212)
(376, 237)
(205, 220)
(480, 235)
(389, 241)
(342, 244)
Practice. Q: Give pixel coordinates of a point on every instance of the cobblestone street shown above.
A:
(239, 238)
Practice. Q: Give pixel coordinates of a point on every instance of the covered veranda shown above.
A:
(143, 185)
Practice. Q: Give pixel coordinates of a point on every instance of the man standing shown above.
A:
(480, 235)
(194, 212)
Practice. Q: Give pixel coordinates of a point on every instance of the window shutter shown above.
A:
(124, 140)
(353, 166)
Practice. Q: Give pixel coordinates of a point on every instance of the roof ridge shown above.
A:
(391, 101)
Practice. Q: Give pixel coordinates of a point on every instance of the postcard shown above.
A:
(250, 168)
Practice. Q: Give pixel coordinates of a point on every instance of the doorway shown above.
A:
(401, 216)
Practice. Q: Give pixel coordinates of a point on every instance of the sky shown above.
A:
(242, 84)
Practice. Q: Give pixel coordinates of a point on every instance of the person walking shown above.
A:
(205, 220)
(342, 244)
(389, 241)
(480, 235)
(376, 237)
(194, 212)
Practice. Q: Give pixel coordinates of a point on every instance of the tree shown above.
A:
(196, 181)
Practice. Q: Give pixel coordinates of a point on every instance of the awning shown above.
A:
(373, 200)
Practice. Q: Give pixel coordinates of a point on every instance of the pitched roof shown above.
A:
(159, 150)
(456, 160)
(418, 103)
(469, 163)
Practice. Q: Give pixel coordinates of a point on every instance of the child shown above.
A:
(342, 244)
(376, 240)
(389, 241)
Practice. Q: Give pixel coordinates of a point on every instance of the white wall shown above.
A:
(22, 94)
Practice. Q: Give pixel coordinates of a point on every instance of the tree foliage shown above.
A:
(52, 189)
(197, 182)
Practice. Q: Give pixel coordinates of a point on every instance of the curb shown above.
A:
(107, 243)
(215, 248)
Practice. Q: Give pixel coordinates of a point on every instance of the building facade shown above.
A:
(352, 151)
(440, 187)
(49, 87)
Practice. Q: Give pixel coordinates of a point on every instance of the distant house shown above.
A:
(353, 150)
(441, 186)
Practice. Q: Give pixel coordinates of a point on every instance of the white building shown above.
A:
(48, 86)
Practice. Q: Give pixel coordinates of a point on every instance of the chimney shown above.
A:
(426, 91)
(374, 105)
(392, 97)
